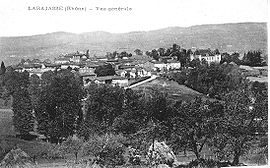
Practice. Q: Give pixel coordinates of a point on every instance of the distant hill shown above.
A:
(239, 37)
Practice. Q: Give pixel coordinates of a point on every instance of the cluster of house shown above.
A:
(126, 68)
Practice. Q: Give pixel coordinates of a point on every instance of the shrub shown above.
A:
(202, 164)
(133, 156)
(34, 149)
(207, 163)
(82, 163)
(54, 152)
(87, 129)
(4, 148)
(72, 145)
(107, 149)
(42, 150)
(17, 158)
(124, 126)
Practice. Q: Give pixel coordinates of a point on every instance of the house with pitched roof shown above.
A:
(114, 80)
(207, 55)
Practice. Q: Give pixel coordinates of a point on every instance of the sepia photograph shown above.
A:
(133, 83)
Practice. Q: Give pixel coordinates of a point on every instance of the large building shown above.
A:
(207, 55)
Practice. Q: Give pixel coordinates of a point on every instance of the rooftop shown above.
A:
(141, 57)
(204, 52)
(31, 66)
(104, 78)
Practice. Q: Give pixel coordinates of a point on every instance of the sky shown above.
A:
(17, 20)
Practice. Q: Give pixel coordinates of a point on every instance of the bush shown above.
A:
(39, 150)
(82, 163)
(124, 126)
(35, 149)
(133, 156)
(17, 158)
(207, 163)
(202, 164)
(72, 145)
(54, 152)
(87, 129)
(4, 148)
(107, 149)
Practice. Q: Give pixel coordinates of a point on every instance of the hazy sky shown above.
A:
(17, 20)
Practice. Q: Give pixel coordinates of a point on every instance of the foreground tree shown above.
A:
(59, 105)
(16, 85)
(72, 145)
(244, 123)
(103, 105)
(130, 120)
(23, 119)
(34, 90)
(106, 149)
(195, 124)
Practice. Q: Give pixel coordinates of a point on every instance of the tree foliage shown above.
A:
(16, 85)
(138, 52)
(2, 68)
(244, 123)
(195, 124)
(228, 58)
(23, 119)
(105, 70)
(253, 58)
(108, 149)
(104, 103)
(72, 145)
(129, 122)
(213, 80)
(34, 90)
(59, 105)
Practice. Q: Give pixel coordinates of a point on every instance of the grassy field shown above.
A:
(173, 90)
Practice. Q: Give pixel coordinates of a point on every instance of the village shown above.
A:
(128, 84)
(126, 68)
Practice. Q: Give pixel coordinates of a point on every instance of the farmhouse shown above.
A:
(160, 65)
(114, 80)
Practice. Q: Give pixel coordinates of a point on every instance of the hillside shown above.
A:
(239, 37)
(173, 90)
